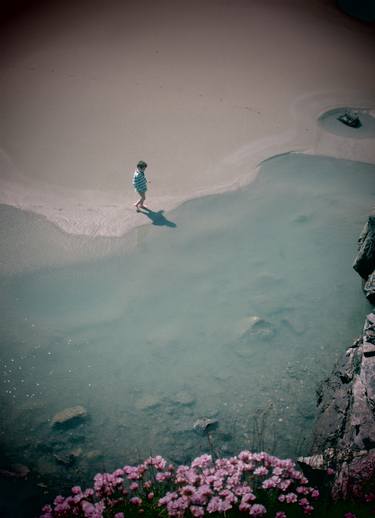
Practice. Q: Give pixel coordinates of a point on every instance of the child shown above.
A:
(140, 184)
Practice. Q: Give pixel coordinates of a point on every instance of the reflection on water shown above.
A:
(232, 307)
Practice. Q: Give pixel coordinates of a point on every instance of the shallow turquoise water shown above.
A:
(124, 334)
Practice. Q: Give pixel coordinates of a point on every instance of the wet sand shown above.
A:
(203, 91)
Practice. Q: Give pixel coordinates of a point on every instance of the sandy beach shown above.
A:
(201, 90)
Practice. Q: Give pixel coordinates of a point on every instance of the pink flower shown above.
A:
(243, 507)
(349, 515)
(284, 484)
(196, 511)
(168, 498)
(162, 476)
(157, 461)
(214, 504)
(177, 507)
(245, 456)
(261, 471)
(247, 498)
(203, 487)
(132, 472)
(260, 457)
(269, 483)
(291, 498)
(330, 472)
(202, 462)
(89, 510)
(188, 490)
(241, 490)
(218, 484)
(47, 512)
(135, 500)
(257, 510)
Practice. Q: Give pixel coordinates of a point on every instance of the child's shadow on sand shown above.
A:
(157, 218)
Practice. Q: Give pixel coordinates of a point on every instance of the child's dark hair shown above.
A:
(142, 164)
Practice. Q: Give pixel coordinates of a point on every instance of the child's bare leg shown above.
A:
(139, 203)
(142, 199)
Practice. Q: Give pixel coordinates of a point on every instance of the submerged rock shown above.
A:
(69, 416)
(257, 327)
(93, 455)
(70, 458)
(148, 402)
(183, 398)
(296, 325)
(205, 425)
(44, 467)
(15, 471)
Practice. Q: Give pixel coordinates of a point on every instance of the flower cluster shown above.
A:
(248, 482)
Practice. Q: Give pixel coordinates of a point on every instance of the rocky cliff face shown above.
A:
(347, 398)
(364, 263)
(344, 435)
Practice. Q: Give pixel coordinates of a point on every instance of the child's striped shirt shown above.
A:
(139, 181)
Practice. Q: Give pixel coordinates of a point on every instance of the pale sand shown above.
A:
(203, 90)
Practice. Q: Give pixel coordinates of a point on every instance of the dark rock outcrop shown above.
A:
(364, 263)
(344, 435)
(347, 398)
